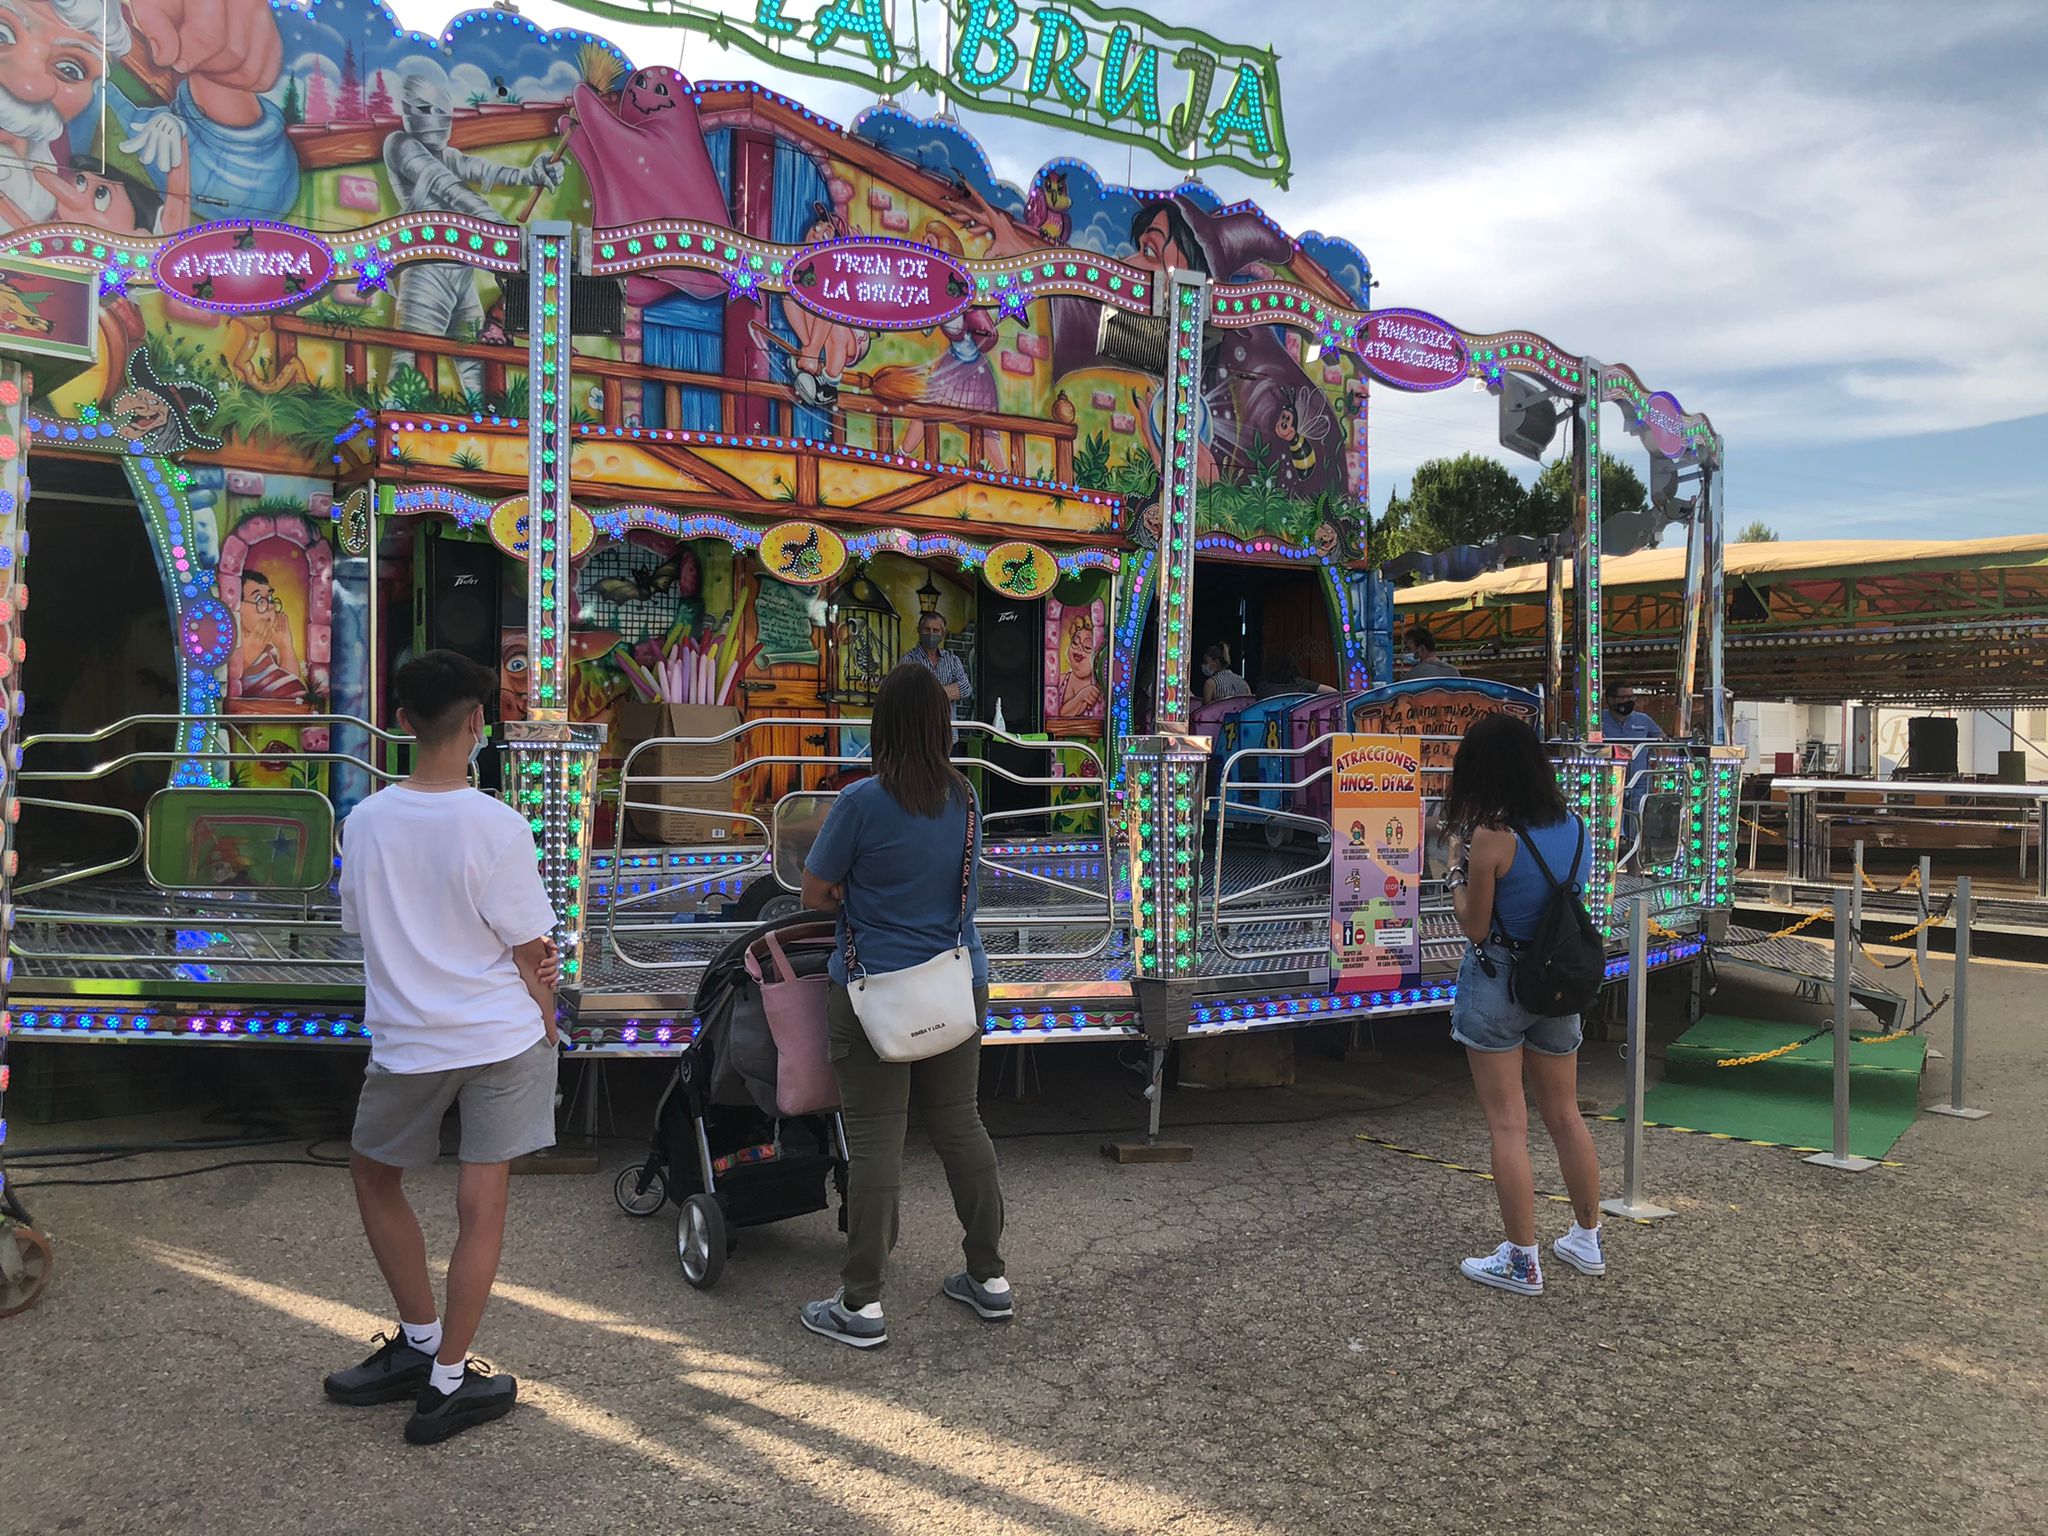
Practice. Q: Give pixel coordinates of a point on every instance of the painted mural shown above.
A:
(692, 394)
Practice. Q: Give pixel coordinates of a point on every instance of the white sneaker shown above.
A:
(1581, 1250)
(1508, 1268)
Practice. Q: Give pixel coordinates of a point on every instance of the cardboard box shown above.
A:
(649, 722)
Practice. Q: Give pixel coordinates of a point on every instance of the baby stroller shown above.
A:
(721, 1148)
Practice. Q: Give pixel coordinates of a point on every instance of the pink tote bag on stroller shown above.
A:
(789, 968)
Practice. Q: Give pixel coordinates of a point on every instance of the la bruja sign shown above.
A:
(1106, 71)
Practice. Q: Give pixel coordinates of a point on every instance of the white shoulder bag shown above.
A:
(923, 1010)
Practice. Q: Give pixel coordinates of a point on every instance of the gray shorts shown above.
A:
(507, 1110)
(1486, 1018)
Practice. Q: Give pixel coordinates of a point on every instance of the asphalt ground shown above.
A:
(1272, 1338)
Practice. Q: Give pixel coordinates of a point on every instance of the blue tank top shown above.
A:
(1522, 895)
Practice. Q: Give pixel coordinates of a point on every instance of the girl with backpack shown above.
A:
(1518, 859)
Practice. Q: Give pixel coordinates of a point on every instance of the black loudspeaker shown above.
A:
(458, 605)
(457, 597)
(1010, 663)
(597, 305)
(1931, 747)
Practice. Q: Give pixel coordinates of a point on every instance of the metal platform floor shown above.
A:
(1810, 962)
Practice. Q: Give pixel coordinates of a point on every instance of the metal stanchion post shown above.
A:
(1856, 894)
(1631, 1202)
(1926, 906)
(1959, 1010)
(1838, 1156)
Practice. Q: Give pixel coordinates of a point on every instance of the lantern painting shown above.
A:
(866, 640)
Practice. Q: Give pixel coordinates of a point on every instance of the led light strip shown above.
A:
(752, 266)
(1184, 306)
(547, 577)
(762, 440)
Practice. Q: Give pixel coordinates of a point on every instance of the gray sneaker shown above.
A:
(396, 1370)
(484, 1395)
(990, 1306)
(834, 1320)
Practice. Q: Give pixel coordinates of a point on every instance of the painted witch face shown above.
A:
(1156, 247)
(138, 413)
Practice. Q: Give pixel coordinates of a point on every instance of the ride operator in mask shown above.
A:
(931, 651)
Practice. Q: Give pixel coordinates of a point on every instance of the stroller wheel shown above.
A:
(701, 1241)
(1278, 835)
(25, 1265)
(641, 1189)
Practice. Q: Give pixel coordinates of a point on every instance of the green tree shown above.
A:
(1467, 500)
(1548, 507)
(293, 109)
(1757, 533)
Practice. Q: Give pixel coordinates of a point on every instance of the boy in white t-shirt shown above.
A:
(442, 883)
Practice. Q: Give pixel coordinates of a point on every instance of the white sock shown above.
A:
(1531, 1254)
(446, 1378)
(1000, 1286)
(424, 1337)
(1585, 1232)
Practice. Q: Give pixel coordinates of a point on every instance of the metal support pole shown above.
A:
(1716, 604)
(1155, 1094)
(1926, 906)
(1856, 894)
(1685, 721)
(1631, 1203)
(1839, 1156)
(14, 493)
(1586, 555)
(1959, 1010)
(1556, 725)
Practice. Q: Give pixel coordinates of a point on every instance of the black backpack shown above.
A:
(1560, 970)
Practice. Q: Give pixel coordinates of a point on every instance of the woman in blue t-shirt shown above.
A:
(1503, 792)
(888, 861)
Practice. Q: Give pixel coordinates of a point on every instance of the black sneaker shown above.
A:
(483, 1396)
(396, 1370)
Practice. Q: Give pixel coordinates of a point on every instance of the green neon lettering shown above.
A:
(1244, 113)
(1186, 120)
(1138, 87)
(769, 18)
(987, 24)
(853, 16)
(1052, 65)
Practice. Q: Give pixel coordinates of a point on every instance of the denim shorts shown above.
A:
(1486, 1018)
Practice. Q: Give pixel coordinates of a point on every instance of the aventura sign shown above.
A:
(1106, 71)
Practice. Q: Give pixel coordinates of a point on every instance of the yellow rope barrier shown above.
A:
(1760, 829)
(1750, 1061)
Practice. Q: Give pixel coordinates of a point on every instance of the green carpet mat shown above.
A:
(1788, 1100)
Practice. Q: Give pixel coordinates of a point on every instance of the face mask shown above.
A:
(1208, 669)
(1625, 708)
(1407, 658)
(931, 642)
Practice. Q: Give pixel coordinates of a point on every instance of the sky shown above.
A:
(1823, 224)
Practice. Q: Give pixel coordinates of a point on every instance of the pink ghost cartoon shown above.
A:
(642, 150)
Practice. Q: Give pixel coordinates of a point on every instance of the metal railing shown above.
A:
(257, 911)
(1814, 806)
(1091, 910)
(1649, 851)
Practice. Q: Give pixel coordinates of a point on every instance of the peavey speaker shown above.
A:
(597, 305)
(1010, 665)
(456, 596)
